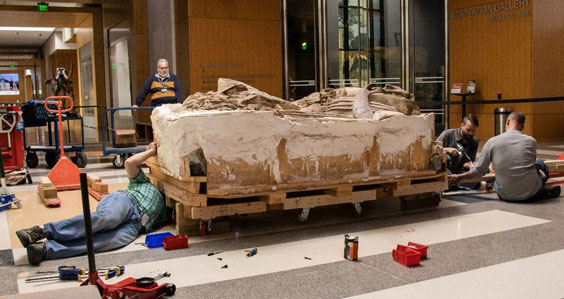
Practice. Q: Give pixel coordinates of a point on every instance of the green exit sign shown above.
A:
(42, 6)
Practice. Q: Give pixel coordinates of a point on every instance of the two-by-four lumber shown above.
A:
(180, 195)
(310, 201)
(555, 166)
(224, 210)
(96, 184)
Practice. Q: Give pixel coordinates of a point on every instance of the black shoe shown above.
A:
(553, 192)
(30, 235)
(36, 253)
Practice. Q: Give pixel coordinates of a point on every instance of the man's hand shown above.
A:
(453, 179)
(451, 151)
(152, 148)
(469, 165)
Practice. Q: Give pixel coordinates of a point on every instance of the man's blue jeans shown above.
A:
(115, 224)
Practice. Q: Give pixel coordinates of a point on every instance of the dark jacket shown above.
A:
(450, 138)
(163, 91)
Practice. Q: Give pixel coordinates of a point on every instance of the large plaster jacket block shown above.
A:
(252, 148)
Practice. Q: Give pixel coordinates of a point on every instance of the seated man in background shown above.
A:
(118, 220)
(461, 147)
(519, 175)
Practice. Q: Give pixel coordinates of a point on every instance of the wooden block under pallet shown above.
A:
(154, 166)
(184, 225)
(193, 187)
(410, 187)
(225, 210)
(178, 194)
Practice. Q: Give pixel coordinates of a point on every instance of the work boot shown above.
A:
(30, 235)
(553, 192)
(36, 252)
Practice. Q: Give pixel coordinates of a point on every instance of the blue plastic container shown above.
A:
(5, 201)
(156, 239)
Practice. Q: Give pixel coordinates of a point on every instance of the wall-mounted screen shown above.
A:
(9, 84)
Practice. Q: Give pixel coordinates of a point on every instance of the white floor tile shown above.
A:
(533, 277)
(4, 232)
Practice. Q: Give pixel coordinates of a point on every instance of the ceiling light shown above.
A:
(35, 29)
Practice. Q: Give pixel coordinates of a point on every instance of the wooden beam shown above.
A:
(225, 210)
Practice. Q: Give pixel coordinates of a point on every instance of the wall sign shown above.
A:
(499, 11)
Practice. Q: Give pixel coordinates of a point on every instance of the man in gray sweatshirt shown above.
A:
(519, 175)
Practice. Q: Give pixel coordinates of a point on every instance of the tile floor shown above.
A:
(480, 247)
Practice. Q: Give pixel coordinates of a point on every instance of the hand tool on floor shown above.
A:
(127, 288)
(111, 272)
(64, 273)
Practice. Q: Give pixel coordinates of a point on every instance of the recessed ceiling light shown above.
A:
(34, 29)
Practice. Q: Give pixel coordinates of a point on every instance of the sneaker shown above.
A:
(30, 235)
(553, 192)
(36, 253)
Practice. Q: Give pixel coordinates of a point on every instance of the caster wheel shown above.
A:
(31, 160)
(51, 159)
(29, 180)
(357, 209)
(436, 199)
(302, 217)
(80, 159)
(119, 161)
(18, 204)
(205, 227)
(403, 203)
(170, 289)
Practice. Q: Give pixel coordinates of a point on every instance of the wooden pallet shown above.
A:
(197, 202)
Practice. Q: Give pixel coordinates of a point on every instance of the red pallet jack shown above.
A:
(144, 287)
(65, 174)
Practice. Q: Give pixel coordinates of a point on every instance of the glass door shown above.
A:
(301, 48)
(427, 57)
(363, 42)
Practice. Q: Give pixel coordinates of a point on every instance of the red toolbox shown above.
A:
(175, 242)
(419, 248)
(406, 256)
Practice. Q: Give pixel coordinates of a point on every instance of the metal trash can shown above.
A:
(501, 115)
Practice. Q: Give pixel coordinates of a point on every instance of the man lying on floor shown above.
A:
(119, 218)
